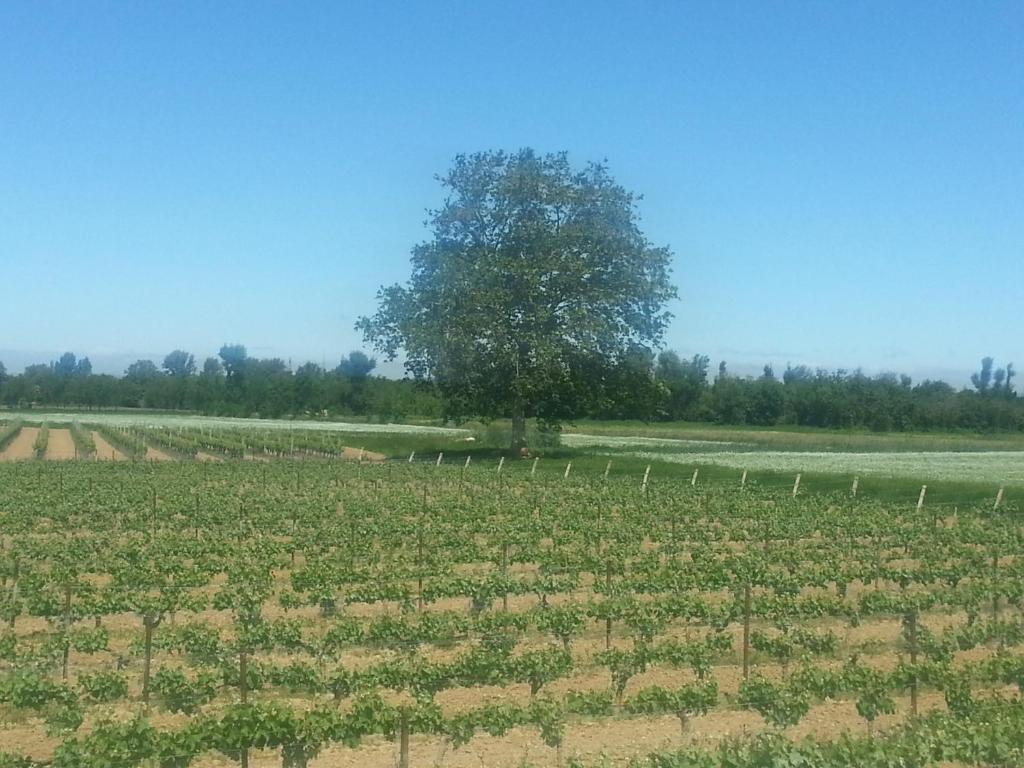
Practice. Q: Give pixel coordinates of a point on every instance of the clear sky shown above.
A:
(842, 183)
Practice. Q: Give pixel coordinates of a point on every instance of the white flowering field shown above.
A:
(996, 467)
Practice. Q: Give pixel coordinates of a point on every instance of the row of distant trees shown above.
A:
(835, 399)
(231, 384)
(666, 387)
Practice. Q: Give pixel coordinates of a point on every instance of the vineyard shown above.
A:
(320, 612)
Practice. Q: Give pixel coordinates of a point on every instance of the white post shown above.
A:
(856, 482)
(467, 462)
(412, 455)
(647, 473)
(568, 468)
(501, 463)
(920, 499)
(693, 480)
(440, 458)
(796, 485)
(607, 469)
(743, 480)
(999, 498)
(533, 469)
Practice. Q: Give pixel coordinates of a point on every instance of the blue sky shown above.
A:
(842, 184)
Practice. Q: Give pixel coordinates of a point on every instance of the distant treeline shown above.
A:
(665, 388)
(833, 399)
(232, 384)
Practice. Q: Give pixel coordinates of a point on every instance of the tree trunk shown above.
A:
(518, 428)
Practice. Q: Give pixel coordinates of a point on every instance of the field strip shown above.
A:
(155, 454)
(996, 467)
(21, 447)
(60, 446)
(105, 451)
(583, 440)
(223, 422)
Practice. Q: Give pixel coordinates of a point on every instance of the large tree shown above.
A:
(536, 288)
(180, 364)
(357, 366)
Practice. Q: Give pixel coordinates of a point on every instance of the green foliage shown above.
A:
(104, 686)
(536, 296)
(178, 692)
(780, 705)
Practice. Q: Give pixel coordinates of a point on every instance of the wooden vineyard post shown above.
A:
(403, 739)
(607, 469)
(501, 463)
(693, 480)
(743, 479)
(608, 619)
(853, 488)
(533, 469)
(568, 469)
(999, 498)
(746, 631)
(995, 591)
(149, 623)
(243, 669)
(419, 566)
(440, 458)
(796, 485)
(920, 499)
(912, 640)
(647, 474)
(67, 628)
(504, 573)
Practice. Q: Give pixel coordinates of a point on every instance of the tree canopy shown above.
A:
(534, 295)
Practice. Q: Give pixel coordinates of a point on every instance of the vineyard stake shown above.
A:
(412, 455)
(853, 489)
(568, 468)
(466, 465)
(995, 595)
(999, 498)
(693, 480)
(533, 469)
(607, 469)
(501, 463)
(912, 641)
(361, 452)
(440, 458)
(746, 631)
(796, 485)
(647, 473)
(403, 739)
(743, 480)
(920, 499)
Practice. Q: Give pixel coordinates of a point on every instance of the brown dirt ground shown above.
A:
(155, 454)
(352, 454)
(105, 451)
(60, 446)
(21, 446)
